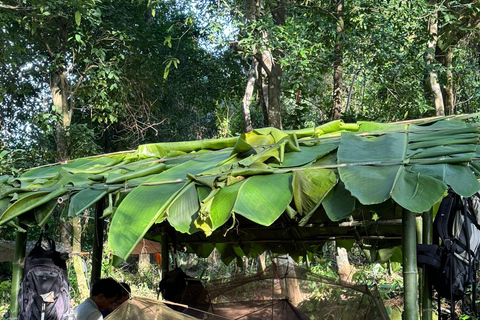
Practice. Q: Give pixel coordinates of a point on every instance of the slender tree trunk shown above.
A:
(59, 90)
(345, 269)
(274, 94)
(337, 108)
(261, 263)
(247, 97)
(77, 259)
(449, 98)
(264, 68)
(289, 282)
(434, 86)
(277, 9)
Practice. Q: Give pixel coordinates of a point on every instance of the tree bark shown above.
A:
(434, 86)
(59, 90)
(289, 282)
(277, 9)
(337, 108)
(77, 259)
(449, 95)
(262, 84)
(261, 263)
(274, 94)
(247, 97)
(345, 269)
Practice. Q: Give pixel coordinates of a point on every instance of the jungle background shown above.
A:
(86, 77)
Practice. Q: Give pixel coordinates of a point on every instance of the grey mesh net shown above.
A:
(281, 292)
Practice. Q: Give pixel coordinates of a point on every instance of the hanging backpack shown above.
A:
(453, 258)
(44, 289)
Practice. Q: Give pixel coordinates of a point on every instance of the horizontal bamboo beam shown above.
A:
(291, 240)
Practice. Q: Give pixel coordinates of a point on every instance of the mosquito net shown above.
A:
(284, 291)
(280, 292)
(139, 308)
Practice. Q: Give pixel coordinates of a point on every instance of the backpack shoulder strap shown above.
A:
(445, 216)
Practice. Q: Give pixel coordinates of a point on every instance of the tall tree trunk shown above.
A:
(274, 94)
(434, 86)
(77, 259)
(247, 97)
(337, 108)
(278, 11)
(59, 90)
(449, 98)
(344, 267)
(264, 67)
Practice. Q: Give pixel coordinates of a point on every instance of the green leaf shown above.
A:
(160, 150)
(459, 177)
(43, 212)
(78, 17)
(416, 192)
(339, 203)
(147, 203)
(29, 202)
(310, 187)
(309, 154)
(136, 214)
(184, 210)
(133, 172)
(226, 251)
(263, 199)
(168, 41)
(222, 205)
(201, 250)
(84, 199)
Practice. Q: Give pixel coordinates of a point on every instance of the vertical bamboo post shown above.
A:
(165, 258)
(419, 224)
(427, 287)
(97, 243)
(410, 273)
(18, 257)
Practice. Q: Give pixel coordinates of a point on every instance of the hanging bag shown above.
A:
(44, 289)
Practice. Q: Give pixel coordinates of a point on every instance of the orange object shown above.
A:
(158, 258)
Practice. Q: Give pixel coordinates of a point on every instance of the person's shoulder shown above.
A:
(89, 315)
(87, 310)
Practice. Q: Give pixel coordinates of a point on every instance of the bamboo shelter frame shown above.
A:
(294, 188)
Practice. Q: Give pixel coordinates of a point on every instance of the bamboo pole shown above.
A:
(427, 287)
(97, 243)
(419, 225)
(410, 273)
(18, 258)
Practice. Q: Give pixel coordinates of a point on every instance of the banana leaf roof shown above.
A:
(286, 191)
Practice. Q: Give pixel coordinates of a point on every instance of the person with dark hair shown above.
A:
(103, 294)
(126, 291)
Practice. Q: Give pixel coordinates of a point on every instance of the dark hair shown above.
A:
(108, 287)
(125, 289)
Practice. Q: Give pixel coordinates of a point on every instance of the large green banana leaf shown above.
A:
(199, 186)
(262, 199)
(147, 204)
(376, 167)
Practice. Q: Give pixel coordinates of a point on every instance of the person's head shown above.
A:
(105, 292)
(125, 296)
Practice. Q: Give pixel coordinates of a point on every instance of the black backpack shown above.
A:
(452, 262)
(44, 290)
